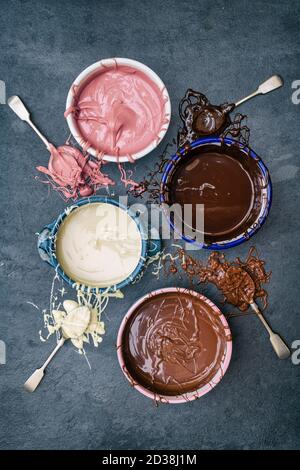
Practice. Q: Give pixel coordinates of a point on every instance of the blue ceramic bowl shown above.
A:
(266, 189)
(47, 244)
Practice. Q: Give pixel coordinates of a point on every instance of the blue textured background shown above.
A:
(223, 48)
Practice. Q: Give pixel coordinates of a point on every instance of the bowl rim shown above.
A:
(221, 245)
(186, 397)
(91, 200)
(101, 64)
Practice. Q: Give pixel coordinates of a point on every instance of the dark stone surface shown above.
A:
(223, 49)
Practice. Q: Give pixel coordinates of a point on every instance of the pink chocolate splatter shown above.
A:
(72, 173)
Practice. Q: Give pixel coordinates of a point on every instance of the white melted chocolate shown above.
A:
(98, 245)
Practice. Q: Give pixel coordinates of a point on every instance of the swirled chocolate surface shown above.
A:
(227, 182)
(119, 111)
(174, 343)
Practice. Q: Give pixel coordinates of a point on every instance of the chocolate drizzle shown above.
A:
(239, 281)
(174, 343)
(151, 183)
(201, 118)
(238, 130)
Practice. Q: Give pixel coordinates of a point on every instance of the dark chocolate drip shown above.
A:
(201, 118)
(174, 343)
(151, 183)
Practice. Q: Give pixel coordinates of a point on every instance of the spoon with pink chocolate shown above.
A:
(72, 173)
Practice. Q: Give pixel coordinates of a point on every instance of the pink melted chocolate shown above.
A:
(119, 111)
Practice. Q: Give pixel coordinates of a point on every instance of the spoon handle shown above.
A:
(43, 138)
(248, 97)
(34, 380)
(271, 84)
(18, 107)
(58, 346)
(277, 342)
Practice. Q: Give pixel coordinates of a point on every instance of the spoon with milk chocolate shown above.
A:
(240, 282)
(239, 288)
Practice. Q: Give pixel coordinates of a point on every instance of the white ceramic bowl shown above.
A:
(86, 73)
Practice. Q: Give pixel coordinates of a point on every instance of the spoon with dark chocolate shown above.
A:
(202, 119)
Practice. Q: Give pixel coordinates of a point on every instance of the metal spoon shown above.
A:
(31, 384)
(72, 330)
(16, 104)
(271, 84)
(277, 342)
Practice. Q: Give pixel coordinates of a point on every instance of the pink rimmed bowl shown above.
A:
(186, 397)
(95, 68)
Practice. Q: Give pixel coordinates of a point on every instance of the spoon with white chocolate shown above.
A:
(73, 323)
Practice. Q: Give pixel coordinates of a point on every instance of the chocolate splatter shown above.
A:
(239, 281)
(151, 183)
(77, 174)
(72, 173)
(201, 118)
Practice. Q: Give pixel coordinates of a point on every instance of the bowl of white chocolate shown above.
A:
(97, 244)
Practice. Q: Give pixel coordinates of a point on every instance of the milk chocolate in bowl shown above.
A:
(174, 343)
(227, 181)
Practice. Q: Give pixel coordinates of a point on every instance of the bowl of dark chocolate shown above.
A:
(231, 182)
(174, 345)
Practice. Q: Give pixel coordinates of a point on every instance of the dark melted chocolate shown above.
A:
(200, 119)
(229, 184)
(174, 343)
